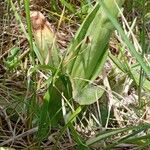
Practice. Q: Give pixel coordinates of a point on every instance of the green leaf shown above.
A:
(89, 95)
(14, 51)
(30, 40)
(82, 147)
(89, 50)
(107, 134)
(131, 47)
(12, 62)
(68, 5)
(130, 71)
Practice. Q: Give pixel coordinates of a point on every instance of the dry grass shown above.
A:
(120, 98)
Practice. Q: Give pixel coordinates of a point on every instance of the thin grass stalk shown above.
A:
(143, 40)
(132, 49)
(27, 10)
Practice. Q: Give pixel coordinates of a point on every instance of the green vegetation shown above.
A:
(79, 79)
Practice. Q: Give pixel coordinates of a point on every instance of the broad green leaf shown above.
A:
(88, 51)
(89, 95)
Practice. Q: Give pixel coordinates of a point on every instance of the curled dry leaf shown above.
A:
(43, 35)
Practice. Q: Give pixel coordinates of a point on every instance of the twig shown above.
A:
(31, 131)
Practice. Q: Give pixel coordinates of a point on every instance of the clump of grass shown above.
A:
(85, 96)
